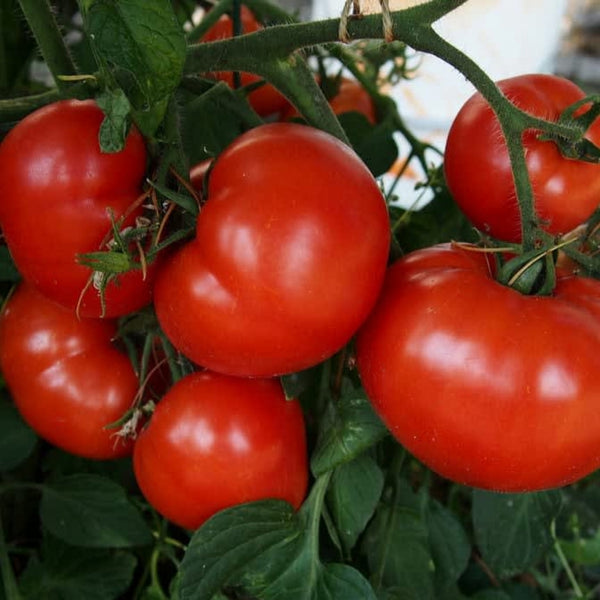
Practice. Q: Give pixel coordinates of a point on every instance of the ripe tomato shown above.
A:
(351, 96)
(488, 387)
(216, 441)
(65, 376)
(478, 170)
(56, 188)
(265, 100)
(290, 253)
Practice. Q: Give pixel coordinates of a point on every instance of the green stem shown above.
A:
(294, 79)
(512, 122)
(312, 509)
(44, 27)
(565, 563)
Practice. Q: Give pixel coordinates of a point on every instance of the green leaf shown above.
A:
(269, 551)
(115, 125)
(66, 573)
(17, 439)
(450, 546)
(143, 47)
(353, 495)
(396, 543)
(349, 427)
(213, 120)
(92, 511)
(583, 551)
(513, 530)
(374, 144)
(185, 201)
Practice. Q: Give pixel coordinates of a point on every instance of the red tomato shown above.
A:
(290, 253)
(56, 188)
(488, 387)
(265, 100)
(65, 376)
(351, 96)
(478, 170)
(216, 441)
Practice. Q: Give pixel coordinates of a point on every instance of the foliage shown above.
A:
(376, 524)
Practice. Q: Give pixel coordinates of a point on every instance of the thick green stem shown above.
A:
(294, 79)
(42, 23)
(512, 122)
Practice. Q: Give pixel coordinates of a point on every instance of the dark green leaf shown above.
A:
(213, 120)
(439, 221)
(349, 427)
(374, 144)
(17, 439)
(513, 530)
(295, 384)
(491, 595)
(143, 46)
(8, 271)
(353, 495)
(398, 553)
(269, 551)
(449, 545)
(229, 540)
(74, 574)
(115, 126)
(92, 511)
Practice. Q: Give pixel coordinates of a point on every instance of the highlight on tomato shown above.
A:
(265, 100)
(289, 257)
(59, 197)
(216, 441)
(478, 170)
(487, 387)
(66, 377)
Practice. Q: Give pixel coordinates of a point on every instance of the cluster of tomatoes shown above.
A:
(288, 265)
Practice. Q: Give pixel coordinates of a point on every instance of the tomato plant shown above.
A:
(262, 290)
(415, 396)
(215, 441)
(66, 377)
(265, 100)
(60, 193)
(478, 169)
(479, 381)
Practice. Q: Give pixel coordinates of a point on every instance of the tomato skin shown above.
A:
(215, 441)
(478, 172)
(55, 189)
(487, 387)
(265, 100)
(65, 376)
(292, 222)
